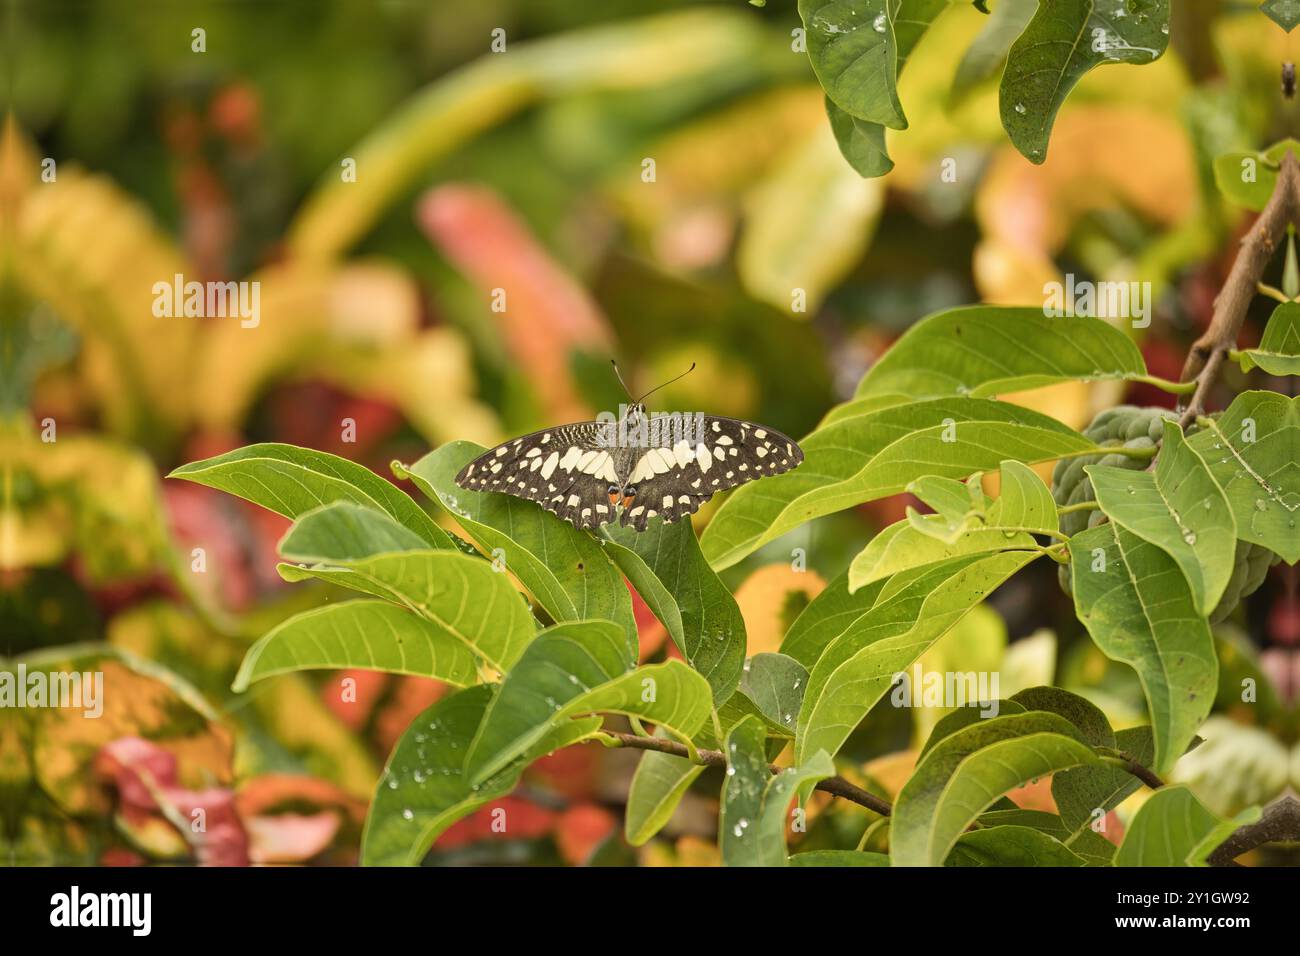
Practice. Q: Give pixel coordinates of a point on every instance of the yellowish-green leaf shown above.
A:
(1179, 508)
(343, 531)
(1279, 348)
(581, 668)
(423, 789)
(566, 570)
(967, 772)
(458, 594)
(985, 350)
(1136, 604)
(752, 821)
(860, 665)
(371, 635)
(1024, 509)
(291, 481)
(863, 457)
(1173, 828)
(1253, 450)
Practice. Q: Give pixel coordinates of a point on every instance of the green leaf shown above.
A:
(458, 594)
(1064, 40)
(854, 53)
(826, 617)
(1086, 716)
(968, 771)
(860, 665)
(987, 53)
(862, 140)
(582, 668)
(1025, 508)
(373, 635)
(1179, 508)
(423, 790)
(1282, 12)
(776, 684)
(1010, 846)
(1253, 450)
(343, 531)
(565, 569)
(961, 717)
(1173, 828)
(752, 822)
(985, 350)
(292, 481)
(735, 709)
(711, 632)
(837, 858)
(962, 505)
(879, 453)
(861, 143)
(1249, 178)
(862, 406)
(1093, 848)
(660, 782)
(1279, 349)
(1081, 792)
(1137, 606)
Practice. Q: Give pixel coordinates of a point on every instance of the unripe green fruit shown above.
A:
(1129, 426)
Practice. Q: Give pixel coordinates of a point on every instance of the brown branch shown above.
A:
(1206, 357)
(1129, 764)
(835, 786)
(1281, 821)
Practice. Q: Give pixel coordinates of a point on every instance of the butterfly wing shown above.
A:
(566, 470)
(723, 454)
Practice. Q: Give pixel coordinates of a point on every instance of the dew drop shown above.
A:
(878, 24)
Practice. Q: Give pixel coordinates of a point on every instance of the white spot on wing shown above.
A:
(549, 468)
(571, 458)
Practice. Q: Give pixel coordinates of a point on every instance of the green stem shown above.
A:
(1167, 385)
(1055, 553)
(1080, 506)
(1263, 288)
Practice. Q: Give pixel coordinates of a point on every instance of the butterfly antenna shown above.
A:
(665, 384)
(619, 376)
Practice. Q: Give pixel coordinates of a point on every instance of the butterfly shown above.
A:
(635, 468)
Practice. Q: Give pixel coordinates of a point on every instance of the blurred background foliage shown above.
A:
(647, 180)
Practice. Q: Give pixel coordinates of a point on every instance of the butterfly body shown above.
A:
(633, 469)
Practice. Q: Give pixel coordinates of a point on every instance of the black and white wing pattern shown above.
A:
(723, 453)
(567, 470)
